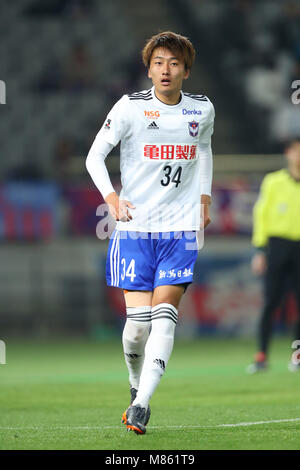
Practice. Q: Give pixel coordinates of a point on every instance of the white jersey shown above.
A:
(160, 159)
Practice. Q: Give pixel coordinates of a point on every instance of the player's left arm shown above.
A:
(206, 182)
(205, 215)
(206, 167)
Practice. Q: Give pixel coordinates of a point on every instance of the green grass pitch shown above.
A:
(70, 394)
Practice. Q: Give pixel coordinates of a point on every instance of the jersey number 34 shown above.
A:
(171, 178)
(129, 272)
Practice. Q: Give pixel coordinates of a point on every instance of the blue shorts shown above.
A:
(145, 260)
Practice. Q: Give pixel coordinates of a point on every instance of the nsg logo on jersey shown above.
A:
(151, 114)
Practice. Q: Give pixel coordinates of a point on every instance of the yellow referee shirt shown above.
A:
(276, 213)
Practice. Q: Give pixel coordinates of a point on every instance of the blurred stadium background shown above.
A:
(65, 63)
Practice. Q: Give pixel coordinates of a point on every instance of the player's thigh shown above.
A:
(130, 261)
(169, 294)
(174, 271)
(137, 298)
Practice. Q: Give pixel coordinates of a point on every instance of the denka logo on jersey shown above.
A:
(152, 114)
(191, 111)
(180, 152)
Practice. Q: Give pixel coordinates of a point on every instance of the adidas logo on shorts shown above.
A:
(153, 125)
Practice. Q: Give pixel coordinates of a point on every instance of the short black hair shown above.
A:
(293, 140)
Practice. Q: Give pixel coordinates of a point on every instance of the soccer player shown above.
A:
(276, 236)
(166, 174)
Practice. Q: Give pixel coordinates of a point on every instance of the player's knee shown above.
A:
(164, 319)
(172, 301)
(167, 300)
(134, 331)
(163, 327)
(139, 334)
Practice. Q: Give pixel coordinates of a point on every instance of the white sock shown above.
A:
(135, 335)
(157, 351)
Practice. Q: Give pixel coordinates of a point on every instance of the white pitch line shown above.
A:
(171, 427)
(230, 425)
(259, 422)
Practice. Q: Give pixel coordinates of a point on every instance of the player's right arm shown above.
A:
(112, 131)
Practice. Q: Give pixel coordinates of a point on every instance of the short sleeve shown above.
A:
(117, 122)
(208, 128)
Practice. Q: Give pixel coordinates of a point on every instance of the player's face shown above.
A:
(293, 156)
(167, 72)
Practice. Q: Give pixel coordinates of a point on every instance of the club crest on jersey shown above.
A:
(107, 125)
(193, 128)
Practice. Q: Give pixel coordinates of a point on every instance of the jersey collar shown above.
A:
(164, 105)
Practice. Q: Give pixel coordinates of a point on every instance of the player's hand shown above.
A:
(259, 263)
(205, 216)
(118, 207)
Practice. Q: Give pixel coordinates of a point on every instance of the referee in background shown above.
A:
(276, 237)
